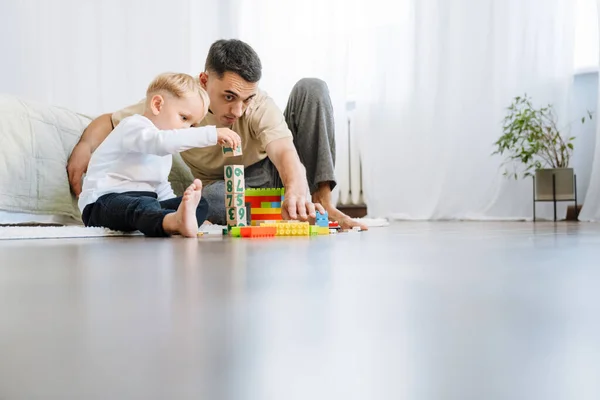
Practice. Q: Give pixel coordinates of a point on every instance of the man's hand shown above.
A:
(79, 159)
(296, 206)
(77, 166)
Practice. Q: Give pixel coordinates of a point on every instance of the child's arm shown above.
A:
(151, 140)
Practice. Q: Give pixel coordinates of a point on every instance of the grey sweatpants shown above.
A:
(309, 115)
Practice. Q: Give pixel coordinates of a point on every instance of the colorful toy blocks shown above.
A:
(270, 204)
(230, 152)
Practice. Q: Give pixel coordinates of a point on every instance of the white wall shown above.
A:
(98, 56)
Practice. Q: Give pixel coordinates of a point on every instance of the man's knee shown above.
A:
(314, 86)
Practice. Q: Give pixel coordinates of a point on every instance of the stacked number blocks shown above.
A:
(235, 201)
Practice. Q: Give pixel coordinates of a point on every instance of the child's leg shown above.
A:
(184, 220)
(201, 209)
(129, 212)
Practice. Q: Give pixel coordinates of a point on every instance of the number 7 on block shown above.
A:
(234, 200)
(234, 179)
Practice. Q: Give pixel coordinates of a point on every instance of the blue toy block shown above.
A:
(275, 205)
(322, 220)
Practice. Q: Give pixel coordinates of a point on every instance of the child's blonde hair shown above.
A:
(178, 85)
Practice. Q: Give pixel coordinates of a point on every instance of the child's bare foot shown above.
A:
(183, 221)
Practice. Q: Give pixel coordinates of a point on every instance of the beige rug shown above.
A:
(53, 232)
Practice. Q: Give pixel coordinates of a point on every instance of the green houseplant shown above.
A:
(532, 141)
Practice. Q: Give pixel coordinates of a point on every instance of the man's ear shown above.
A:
(203, 78)
(156, 104)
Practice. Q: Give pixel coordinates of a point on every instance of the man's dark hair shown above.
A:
(234, 56)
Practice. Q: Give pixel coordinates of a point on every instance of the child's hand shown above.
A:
(227, 137)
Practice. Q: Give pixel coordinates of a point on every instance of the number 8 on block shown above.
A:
(234, 179)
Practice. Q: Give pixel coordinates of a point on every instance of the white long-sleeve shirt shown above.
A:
(137, 156)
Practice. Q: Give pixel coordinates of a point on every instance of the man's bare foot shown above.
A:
(344, 220)
(323, 196)
(183, 221)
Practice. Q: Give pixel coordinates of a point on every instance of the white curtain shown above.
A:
(591, 205)
(97, 56)
(431, 80)
(303, 39)
(436, 78)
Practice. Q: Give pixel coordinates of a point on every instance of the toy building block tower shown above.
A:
(265, 205)
(235, 201)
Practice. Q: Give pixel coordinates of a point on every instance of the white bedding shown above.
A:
(36, 140)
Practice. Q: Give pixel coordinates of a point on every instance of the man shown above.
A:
(295, 150)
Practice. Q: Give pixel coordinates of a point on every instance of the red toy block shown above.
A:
(258, 231)
(256, 201)
(266, 217)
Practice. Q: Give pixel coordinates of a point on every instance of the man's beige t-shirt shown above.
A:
(262, 123)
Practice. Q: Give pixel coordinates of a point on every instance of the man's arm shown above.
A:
(297, 202)
(92, 136)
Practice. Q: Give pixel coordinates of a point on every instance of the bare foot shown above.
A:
(344, 220)
(183, 221)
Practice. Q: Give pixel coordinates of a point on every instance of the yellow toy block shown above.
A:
(290, 228)
(265, 211)
(323, 230)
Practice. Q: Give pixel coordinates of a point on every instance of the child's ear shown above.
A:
(203, 79)
(156, 104)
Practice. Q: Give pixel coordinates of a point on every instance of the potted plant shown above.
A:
(531, 136)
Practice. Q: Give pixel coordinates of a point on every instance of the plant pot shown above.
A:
(564, 181)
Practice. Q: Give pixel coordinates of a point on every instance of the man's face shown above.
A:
(229, 96)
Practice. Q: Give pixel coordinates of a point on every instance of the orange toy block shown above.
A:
(258, 231)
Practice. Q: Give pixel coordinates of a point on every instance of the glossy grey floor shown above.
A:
(413, 311)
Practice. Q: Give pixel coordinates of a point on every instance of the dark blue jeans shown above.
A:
(133, 211)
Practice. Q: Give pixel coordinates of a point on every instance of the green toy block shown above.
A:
(265, 192)
(314, 230)
(236, 231)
